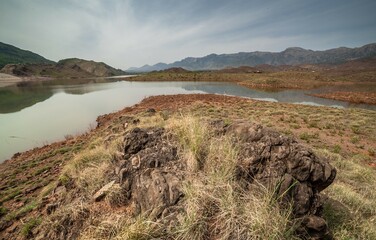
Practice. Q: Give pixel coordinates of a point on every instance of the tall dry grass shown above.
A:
(351, 208)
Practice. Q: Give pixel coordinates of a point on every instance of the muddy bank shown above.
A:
(8, 80)
(352, 97)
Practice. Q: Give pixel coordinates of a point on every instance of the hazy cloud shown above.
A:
(133, 33)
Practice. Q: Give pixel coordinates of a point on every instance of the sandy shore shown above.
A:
(6, 80)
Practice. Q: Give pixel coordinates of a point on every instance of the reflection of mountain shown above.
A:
(15, 99)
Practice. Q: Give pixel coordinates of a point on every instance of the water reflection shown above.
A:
(288, 96)
(26, 94)
(14, 99)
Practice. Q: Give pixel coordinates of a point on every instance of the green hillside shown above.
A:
(10, 54)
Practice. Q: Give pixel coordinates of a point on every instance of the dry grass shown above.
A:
(66, 222)
(88, 169)
(351, 209)
(222, 211)
(217, 207)
(122, 227)
(193, 136)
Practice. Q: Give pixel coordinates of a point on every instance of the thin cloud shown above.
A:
(134, 33)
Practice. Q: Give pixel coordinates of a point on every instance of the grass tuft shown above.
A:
(88, 170)
(351, 208)
(193, 135)
(29, 226)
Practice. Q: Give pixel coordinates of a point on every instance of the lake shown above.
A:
(39, 113)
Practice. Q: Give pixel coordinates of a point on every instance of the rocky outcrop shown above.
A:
(281, 163)
(150, 172)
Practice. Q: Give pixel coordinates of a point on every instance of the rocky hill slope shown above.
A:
(72, 67)
(290, 56)
(13, 55)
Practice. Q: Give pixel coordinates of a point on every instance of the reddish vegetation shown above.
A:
(353, 97)
(172, 102)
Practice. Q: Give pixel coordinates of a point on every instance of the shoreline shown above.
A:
(351, 97)
(8, 80)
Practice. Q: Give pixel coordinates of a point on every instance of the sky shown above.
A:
(131, 33)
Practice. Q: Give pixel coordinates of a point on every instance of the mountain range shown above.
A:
(290, 56)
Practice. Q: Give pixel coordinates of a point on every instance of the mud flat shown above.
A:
(6, 80)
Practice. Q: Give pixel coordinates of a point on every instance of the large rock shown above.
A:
(286, 166)
(150, 173)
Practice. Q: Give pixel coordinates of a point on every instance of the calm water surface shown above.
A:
(41, 113)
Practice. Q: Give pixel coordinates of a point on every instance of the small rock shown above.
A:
(50, 208)
(123, 174)
(136, 162)
(118, 156)
(151, 110)
(315, 227)
(12, 228)
(60, 190)
(101, 193)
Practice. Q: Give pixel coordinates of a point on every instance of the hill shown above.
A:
(175, 70)
(72, 67)
(290, 56)
(12, 55)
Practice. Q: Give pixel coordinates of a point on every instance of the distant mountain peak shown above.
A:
(295, 49)
(290, 56)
